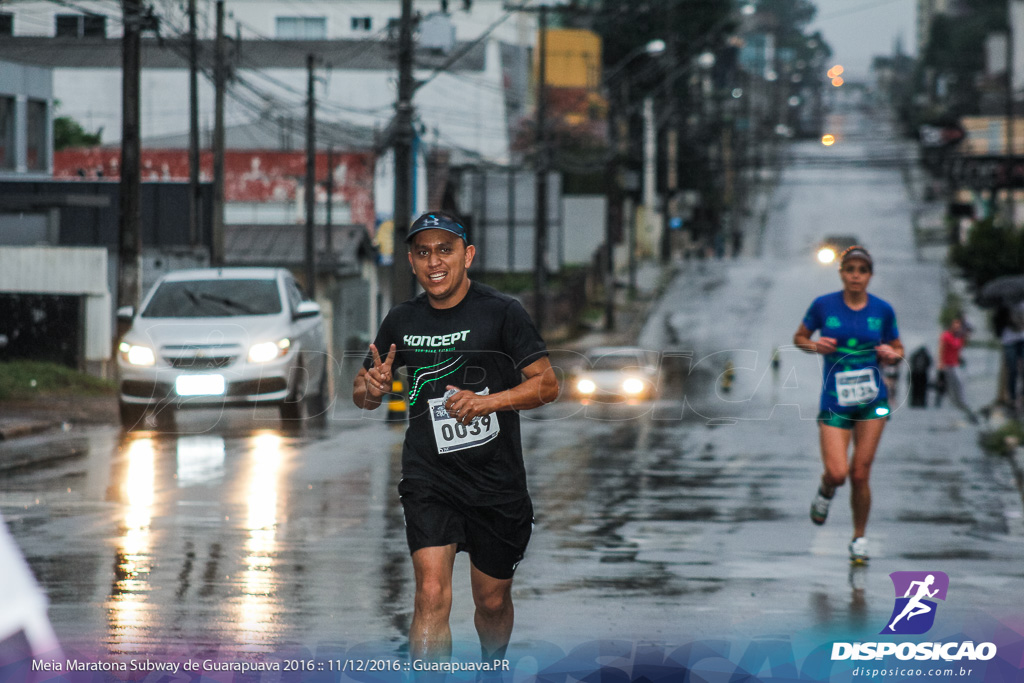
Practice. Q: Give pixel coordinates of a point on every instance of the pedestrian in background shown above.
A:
(1010, 328)
(951, 343)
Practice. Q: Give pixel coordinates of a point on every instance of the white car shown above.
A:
(617, 374)
(223, 337)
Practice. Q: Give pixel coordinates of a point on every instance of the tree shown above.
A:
(69, 133)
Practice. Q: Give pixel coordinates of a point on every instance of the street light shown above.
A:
(540, 262)
(653, 48)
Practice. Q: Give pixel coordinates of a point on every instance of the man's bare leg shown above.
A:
(494, 615)
(430, 637)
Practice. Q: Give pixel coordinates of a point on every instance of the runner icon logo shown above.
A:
(916, 592)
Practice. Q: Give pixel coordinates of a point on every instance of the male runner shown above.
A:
(474, 359)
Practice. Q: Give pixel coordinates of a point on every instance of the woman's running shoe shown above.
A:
(819, 507)
(859, 549)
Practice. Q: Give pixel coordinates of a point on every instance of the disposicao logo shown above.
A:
(914, 614)
(916, 592)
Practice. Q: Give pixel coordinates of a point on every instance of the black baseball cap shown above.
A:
(856, 252)
(437, 220)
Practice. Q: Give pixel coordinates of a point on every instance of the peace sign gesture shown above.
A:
(378, 377)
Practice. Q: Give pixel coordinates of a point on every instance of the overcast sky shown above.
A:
(858, 30)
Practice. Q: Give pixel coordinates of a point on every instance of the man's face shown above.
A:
(440, 259)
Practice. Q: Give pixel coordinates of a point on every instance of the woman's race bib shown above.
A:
(856, 387)
(451, 435)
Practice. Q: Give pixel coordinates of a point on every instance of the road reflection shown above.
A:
(200, 459)
(260, 605)
(127, 607)
(157, 473)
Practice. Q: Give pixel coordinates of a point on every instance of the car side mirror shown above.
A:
(126, 313)
(307, 309)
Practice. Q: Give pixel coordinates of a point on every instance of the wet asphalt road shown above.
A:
(669, 522)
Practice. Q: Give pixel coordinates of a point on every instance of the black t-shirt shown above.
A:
(481, 344)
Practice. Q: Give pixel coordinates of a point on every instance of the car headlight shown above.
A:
(633, 386)
(134, 354)
(586, 386)
(826, 255)
(268, 351)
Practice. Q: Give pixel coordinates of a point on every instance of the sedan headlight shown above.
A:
(633, 386)
(137, 355)
(586, 386)
(268, 351)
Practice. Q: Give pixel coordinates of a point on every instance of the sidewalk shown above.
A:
(22, 418)
(15, 426)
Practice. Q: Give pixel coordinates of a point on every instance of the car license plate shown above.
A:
(199, 385)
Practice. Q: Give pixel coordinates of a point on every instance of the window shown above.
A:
(68, 25)
(301, 28)
(362, 24)
(36, 159)
(7, 160)
(94, 26)
(81, 26)
(6, 24)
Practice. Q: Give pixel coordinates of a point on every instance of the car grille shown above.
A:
(142, 389)
(200, 356)
(200, 362)
(253, 387)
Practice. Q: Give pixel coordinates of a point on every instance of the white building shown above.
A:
(26, 121)
(469, 106)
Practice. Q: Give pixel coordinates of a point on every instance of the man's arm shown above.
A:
(540, 386)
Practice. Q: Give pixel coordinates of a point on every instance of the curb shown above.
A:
(19, 428)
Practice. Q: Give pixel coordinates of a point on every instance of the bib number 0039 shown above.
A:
(452, 435)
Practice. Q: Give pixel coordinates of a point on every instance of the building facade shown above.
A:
(26, 121)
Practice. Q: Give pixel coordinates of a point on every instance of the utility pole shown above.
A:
(671, 142)
(402, 284)
(219, 78)
(613, 211)
(193, 128)
(310, 177)
(650, 164)
(129, 274)
(1011, 204)
(540, 243)
(329, 238)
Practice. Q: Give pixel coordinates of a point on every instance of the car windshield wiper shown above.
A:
(192, 296)
(228, 302)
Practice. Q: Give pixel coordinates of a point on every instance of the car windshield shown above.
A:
(214, 299)
(616, 362)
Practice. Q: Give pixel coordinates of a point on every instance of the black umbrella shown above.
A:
(1006, 290)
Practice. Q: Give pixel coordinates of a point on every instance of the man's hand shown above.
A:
(378, 377)
(466, 405)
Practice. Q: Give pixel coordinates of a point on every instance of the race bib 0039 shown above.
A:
(856, 387)
(450, 435)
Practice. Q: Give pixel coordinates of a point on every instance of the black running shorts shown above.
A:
(495, 536)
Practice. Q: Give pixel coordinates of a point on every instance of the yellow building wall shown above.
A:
(986, 135)
(573, 59)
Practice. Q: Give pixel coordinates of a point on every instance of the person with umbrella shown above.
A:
(1012, 339)
(1007, 294)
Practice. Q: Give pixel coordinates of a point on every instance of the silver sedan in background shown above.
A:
(223, 337)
